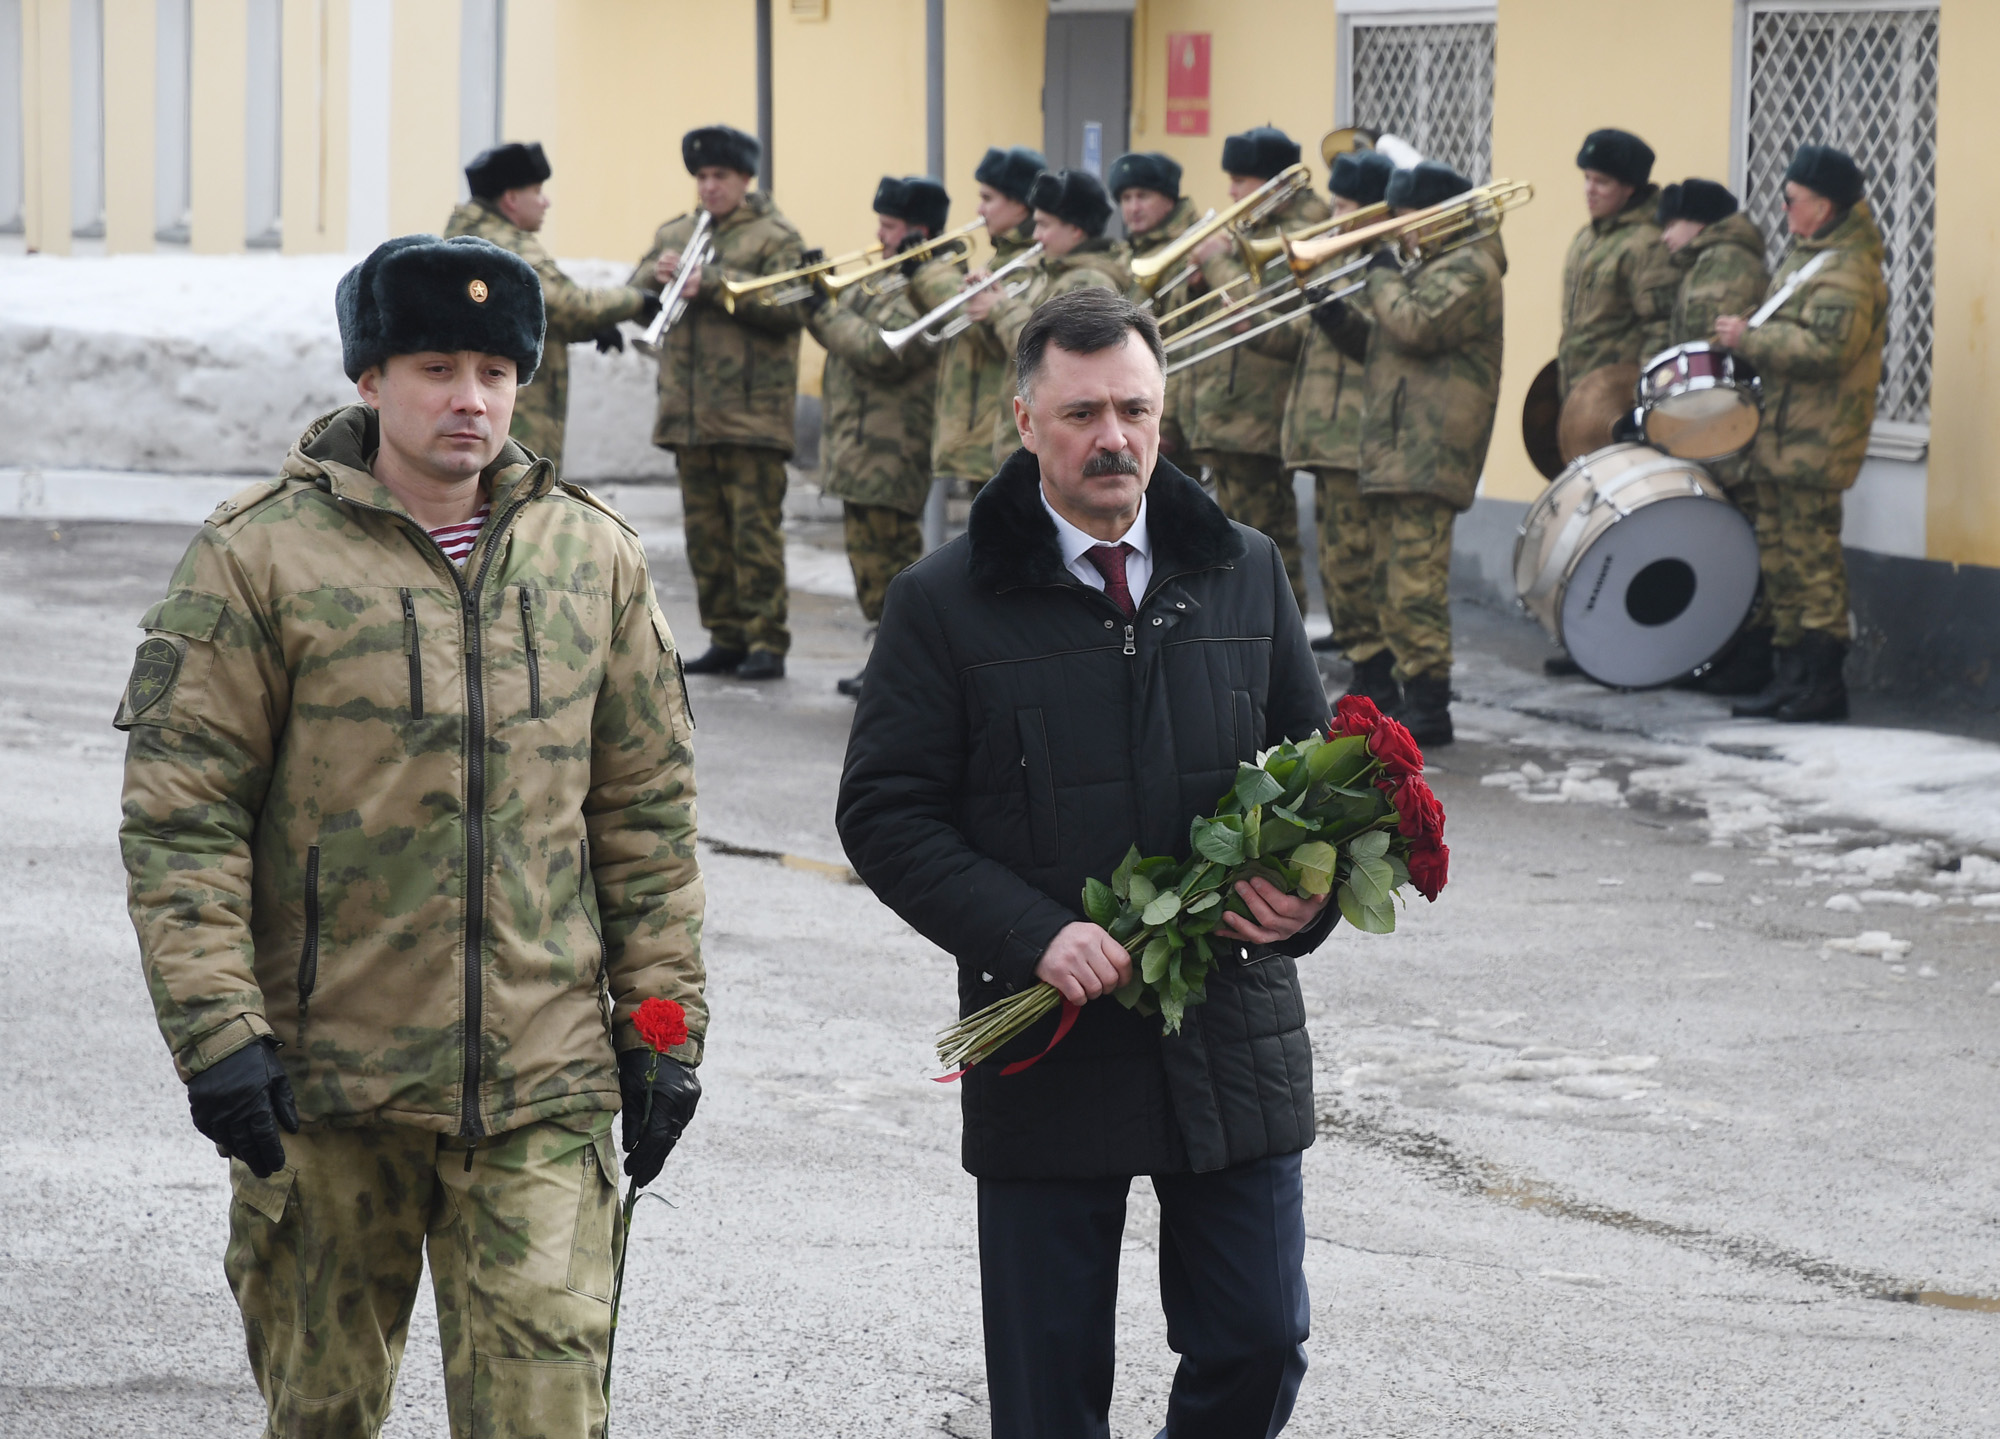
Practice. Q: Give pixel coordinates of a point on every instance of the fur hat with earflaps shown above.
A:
(1424, 184)
(1145, 170)
(1361, 176)
(1012, 171)
(1827, 171)
(1073, 195)
(1263, 151)
(1617, 153)
(915, 200)
(1702, 201)
(417, 293)
(494, 172)
(722, 145)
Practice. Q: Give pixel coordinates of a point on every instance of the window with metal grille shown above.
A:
(1865, 80)
(1429, 82)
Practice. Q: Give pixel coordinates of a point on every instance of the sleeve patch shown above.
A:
(154, 670)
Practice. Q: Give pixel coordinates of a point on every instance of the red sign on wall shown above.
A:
(1187, 83)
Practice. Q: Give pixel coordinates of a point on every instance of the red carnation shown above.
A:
(1430, 866)
(1394, 746)
(1355, 714)
(1420, 816)
(662, 1024)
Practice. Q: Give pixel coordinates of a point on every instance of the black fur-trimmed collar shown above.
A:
(1013, 540)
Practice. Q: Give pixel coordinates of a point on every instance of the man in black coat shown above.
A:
(1083, 669)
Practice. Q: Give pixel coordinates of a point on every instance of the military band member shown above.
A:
(972, 384)
(1235, 402)
(1820, 358)
(879, 405)
(422, 968)
(1322, 433)
(1618, 282)
(1718, 252)
(1146, 186)
(728, 398)
(1432, 377)
(508, 207)
(1071, 211)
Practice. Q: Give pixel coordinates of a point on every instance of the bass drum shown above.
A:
(1637, 564)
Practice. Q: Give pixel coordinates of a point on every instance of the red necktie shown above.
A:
(1110, 562)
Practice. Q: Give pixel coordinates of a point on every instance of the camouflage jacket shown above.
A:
(1722, 273)
(731, 379)
(372, 801)
(1618, 292)
(1173, 440)
(972, 368)
(1098, 264)
(575, 313)
(1433, 374)
(1235, 401)
(878, 406)
(1820, 357)
(1323, 414)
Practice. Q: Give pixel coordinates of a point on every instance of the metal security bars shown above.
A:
(1430, 83)
(1864, 80)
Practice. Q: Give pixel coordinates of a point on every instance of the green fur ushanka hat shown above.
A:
(417, 292)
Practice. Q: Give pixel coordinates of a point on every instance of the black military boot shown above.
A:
(762, 665)
(1745, 667)
(1823, 691)
(718, 661)
(1561, 666)
(1788, 681)
(1375, 679)
(1426, 709)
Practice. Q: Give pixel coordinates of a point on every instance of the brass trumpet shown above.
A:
(1253, 208)
(788, 287)
(834, 285)
(897, 339)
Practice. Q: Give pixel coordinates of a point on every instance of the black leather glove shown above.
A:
(1347, 330)
(240, 1100)
(811, 257)
(608, 339)
(650, 1136)
(649, 308)
(1332, 317)
(1385, 259)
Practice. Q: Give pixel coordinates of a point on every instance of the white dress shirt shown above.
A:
(1138, 564)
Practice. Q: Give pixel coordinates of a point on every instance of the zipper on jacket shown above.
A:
(534, 659)
(414, 650)
(596, 925)
(309, 947)
(1396, 414)
(1130, 648)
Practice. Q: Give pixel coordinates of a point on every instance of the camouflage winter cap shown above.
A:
(417, 292)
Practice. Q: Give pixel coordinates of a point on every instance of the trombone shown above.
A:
(673, 304)
(834, 285)
(788, 287)
(1254, 208)
(1414, 239)
(1261, 256)
(897, 339)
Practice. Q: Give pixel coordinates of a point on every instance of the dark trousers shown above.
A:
(1232, 1283)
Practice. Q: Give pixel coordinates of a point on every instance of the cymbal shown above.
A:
(1593, 408)
(1345, 139)
(1539, 416)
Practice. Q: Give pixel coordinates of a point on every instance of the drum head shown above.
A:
(1660, 592)
(1592, 409)
(1539, 417)
(1711, 424)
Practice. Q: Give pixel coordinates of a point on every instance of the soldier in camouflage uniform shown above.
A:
(972, 369)
(1233, 405)
(729, 381)
(409, 838)
(507, 207)
(1146, 187)
(1071, 211)
(1432, 377)
(880, 404)
(1820, 357)
(1322, 434)
(1618, 282)
(1718, 251)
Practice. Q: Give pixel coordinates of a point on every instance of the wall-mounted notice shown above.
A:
(1187, 83)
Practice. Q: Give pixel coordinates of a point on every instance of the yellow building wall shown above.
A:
(216, 121)
(1271, 62)
(423, 116)
(45, 131)
(313, 196)
(128, 125)
(1964, 481)
(993, 66)
(1552, 86)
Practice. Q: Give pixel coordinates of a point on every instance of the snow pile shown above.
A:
(1875, 943)
(213, 364)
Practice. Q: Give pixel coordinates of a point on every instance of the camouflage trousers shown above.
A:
(1743, 495)
(881, 544)
(1347, 564)
(732, 505)
(1256, 490)
(1798, 550)
(326, 1256)
(1409, 537)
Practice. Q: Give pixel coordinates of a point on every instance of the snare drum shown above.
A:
(1701, 402)
(1638, 564)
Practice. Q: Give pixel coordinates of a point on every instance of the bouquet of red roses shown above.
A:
(1345, 813)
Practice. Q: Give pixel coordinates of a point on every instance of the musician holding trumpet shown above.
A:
(1146, 186)
(728, 391)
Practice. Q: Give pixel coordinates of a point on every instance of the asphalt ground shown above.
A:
(1603, 1151)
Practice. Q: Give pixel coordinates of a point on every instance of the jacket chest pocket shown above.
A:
(545, 658)
(1038, 778)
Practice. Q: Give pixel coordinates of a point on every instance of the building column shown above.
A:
(216, 122)
(129, 121)
(45, 112)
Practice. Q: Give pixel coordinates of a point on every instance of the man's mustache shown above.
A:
(1110, 462)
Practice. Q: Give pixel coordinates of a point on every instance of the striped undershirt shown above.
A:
(457, 540)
